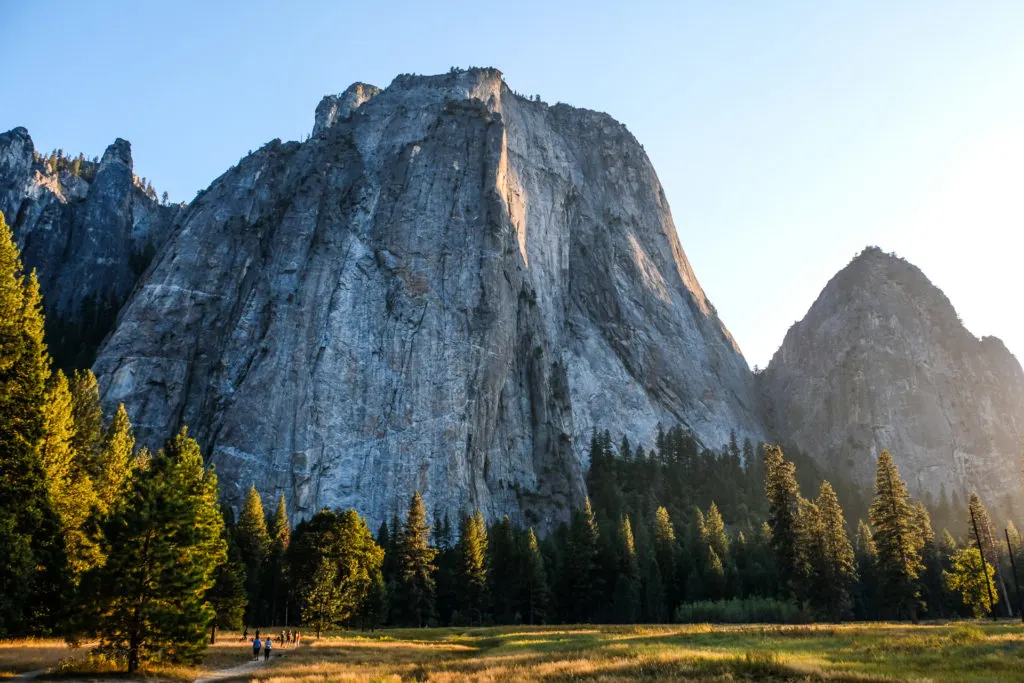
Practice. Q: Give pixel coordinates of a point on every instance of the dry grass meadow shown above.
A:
(855, 652)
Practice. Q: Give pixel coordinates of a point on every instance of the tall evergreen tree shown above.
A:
(626, 601)
(227, 595)
(582, 565)
(865, 600)
(415, 573)
(834, 571)
(990, 545)
(71, 491)
(473, 568)
(344, 541)
(897, 538)
(163, 543)
(322, 603)
(505, 572)
(88, 419)
(275, 582)
(716, 536)
(254, 544)
(932, 587)
(535, 582)
(666, 552)
(33, 561)
(115, 462)
(783, 495)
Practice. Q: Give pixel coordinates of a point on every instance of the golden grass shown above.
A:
(31, 654)
(949, 652)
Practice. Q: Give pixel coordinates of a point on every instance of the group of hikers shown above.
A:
(285, 639)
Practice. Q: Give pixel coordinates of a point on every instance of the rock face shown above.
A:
(444, 289)
(881, 361)
(87, 235)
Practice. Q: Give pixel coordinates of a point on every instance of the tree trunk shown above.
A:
(133, 654)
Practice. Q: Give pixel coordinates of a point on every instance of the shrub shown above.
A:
(741, 611)
(965, 634)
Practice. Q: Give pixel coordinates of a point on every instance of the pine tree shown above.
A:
(88, 419)
(932, 585)
(865, 600)
(115, 463)
(322, 603)
(473, 567)
(345, 542)
(274, 580)
(582, 565)
(254, 544)
(834, 571)
(666, 550)
(535, 582)
(897, 539)
(32, 563)
(374, 611)
(415, 573)
(163, 543)
(70, 489)
(626, 601)
(227, 595)
(504, 572)
(712, 579)
(716, 537)
(783, 495)
(965, 579)
(987, 538)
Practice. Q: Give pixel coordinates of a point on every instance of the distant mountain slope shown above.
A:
(882, 361)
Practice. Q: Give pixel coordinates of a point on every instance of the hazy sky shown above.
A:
(788, 135)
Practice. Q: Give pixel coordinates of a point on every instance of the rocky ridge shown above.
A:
(88, 239)
(445, 289)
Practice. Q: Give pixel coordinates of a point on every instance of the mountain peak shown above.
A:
(882, 361)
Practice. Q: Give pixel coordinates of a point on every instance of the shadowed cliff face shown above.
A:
(881, 361)
(86, 238)
(444, 289)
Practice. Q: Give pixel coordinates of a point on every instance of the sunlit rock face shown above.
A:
(80, 235)
(445, 289)
(882, 361)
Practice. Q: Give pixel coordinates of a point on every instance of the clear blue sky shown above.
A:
(788, 135)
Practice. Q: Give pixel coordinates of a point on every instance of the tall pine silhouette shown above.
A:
(164, 542)
(897, 539)
(415, 579)
(33, 560)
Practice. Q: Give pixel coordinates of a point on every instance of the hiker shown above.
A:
(298, 636)
(257, 634)
(245, 634)
(268, 645)
(256, 645)
(282, 639)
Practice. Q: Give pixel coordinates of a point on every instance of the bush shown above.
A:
(741, 611)
(965, 634)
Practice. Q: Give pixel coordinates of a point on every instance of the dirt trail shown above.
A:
(231, 672)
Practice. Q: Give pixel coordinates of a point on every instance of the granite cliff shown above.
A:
(882, 361)
(444, 289)
(88, 234)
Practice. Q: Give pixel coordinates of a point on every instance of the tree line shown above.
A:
(102, 540)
